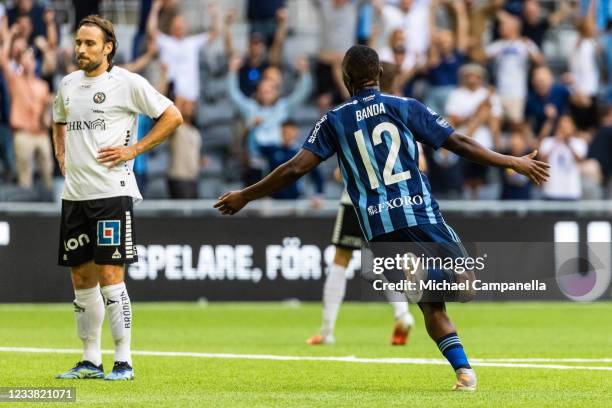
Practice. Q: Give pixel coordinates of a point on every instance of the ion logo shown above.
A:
(74, 243)
(109, 233)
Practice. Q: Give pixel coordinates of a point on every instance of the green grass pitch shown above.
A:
(554, 331)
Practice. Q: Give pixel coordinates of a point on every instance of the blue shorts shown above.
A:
(445, 239)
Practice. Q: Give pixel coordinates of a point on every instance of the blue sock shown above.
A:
(451, 347)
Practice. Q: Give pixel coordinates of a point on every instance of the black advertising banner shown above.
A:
(276, 258)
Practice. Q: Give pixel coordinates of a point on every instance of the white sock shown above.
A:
(400, 309)
(89, 313)
(119, 312)
(333, 294)
(397, 300)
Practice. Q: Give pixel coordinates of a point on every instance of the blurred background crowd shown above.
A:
(251, 77)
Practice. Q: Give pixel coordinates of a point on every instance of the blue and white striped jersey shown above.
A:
(375, 136)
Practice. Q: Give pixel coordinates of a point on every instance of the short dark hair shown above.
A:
(361, 66)
(107, 29)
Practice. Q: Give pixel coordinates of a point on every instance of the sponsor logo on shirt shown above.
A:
(97, 124)
(317, 126)
(442, 122)
(99, 97)
(395, 203)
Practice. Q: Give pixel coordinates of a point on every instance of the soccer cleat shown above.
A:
(121, 371)
(83, 370)
(466, 380)
(414, 277)
(401, 330)
(320, 340)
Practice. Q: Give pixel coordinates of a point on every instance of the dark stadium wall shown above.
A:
(264, 259)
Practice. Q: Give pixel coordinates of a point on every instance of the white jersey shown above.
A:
(102, 112)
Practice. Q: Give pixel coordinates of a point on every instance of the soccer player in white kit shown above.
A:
(94, 133)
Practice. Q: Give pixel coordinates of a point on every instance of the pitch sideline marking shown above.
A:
(510, 363)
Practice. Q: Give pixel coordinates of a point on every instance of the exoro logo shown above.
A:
(583, 269)
(74, 243)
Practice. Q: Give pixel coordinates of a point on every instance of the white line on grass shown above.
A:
(510, 363)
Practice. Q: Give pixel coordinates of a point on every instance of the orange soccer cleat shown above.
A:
(400, 335)
(401, 330)
(317, 340)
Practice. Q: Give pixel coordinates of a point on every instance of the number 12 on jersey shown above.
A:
(388, 176)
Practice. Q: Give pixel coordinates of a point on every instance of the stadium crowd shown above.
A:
(490, 66)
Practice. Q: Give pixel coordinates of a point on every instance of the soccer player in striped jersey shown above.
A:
(348, 237)
(374, 136)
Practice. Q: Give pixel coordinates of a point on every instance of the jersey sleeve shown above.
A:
(59, 110)
(427, 126)
(145, 99)
(320, 140)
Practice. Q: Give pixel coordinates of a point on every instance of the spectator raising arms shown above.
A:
(29, 118)
(511, 56)
(563, 152)
(584, 72)
(535, 26)
(338, 32)
(266, 111)
(475, 111)
(180, 52)
(446, 55)
(257, 58)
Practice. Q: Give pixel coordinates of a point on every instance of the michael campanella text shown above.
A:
(476, 284)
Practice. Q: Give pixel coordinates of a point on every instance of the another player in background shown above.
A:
(95, 124)
(377, 172)
(348, 237)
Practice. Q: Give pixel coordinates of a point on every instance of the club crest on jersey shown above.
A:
(109, 233)
(99, 97)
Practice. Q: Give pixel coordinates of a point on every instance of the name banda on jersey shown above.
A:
(369, 111)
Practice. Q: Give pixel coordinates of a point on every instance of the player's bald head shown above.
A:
(360, 68)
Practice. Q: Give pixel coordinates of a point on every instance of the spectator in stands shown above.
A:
(262, 16)
(29, 118)
(410, 15)
(35, 21)
(515, 186)
(181, 52)
(511, 56)
(266, 111)
(338, 32)
(275, 155)
(446, 55)
(185, 156)
(584, 71)
(408, 63)
(257, 58)
(601, 149)
(564, 152)
(476, 111)
(535, 26)
(546, 100)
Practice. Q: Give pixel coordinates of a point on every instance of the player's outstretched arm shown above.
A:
(470, 149)
(287, 173)
(164, 127)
